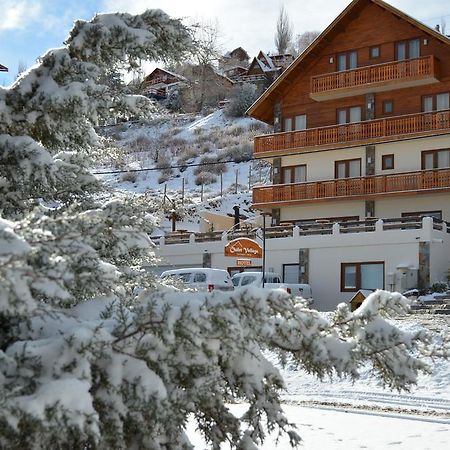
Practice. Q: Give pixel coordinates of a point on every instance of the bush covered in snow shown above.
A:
(242, 98)
(94, 354)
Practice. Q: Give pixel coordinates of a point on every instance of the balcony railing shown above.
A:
(374, 78)
(350, 188)
(378, 130)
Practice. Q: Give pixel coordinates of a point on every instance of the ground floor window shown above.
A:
(365, 275)
(291, 273)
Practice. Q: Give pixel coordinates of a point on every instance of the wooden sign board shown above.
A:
(243, 247)
(243, 263)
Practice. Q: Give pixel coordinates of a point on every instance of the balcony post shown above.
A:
(336, 229)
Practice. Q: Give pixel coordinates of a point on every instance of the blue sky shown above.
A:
(29, 27)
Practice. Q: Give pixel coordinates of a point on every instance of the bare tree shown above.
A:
(302, 41)
(21, 67)
(283, 34)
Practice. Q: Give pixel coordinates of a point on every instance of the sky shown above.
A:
(29, 27)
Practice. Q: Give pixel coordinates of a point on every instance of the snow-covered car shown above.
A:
(201, 279)
(272, 281)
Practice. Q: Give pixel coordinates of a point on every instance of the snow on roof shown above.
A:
(176, 75)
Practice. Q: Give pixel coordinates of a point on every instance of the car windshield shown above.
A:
(248, 279)
(235, 281)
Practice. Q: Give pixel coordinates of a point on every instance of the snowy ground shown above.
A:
(339, 414)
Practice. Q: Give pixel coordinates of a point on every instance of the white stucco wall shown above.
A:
(326, 253)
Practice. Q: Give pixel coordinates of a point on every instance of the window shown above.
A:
(293, 174)
(407, 49)
(199, 277)
(387, 162)
(288, 124)
(388, 107)
(349, 115)
(368, 275)
(374, 52)
(248, 279)
(291, 273)
(437, 102)
(435, 159)
(295, 123)
(348, 168)
(300, 122)
(347, 61)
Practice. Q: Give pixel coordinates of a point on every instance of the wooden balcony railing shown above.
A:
(354, 133)
(348, 188)
(407, 71)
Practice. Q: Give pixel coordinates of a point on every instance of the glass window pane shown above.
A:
(355, 168)
(442, 101)
(342, 62)
(248, 279)
(428, 104)
(350, 277)
(444, 158)
(372, 276)
(341, 170)
(355, 114)
(401, 50)
(353, 60)
(342, 116)
(299, 174)
(288, 124)
(199, 277)
(429, 161)
(300, 122)
(287, 175)
(414, 48)
(290, 273)
(375, 52)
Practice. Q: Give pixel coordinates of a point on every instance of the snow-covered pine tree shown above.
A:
(93, 353)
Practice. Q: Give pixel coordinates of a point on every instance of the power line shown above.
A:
(182, 166)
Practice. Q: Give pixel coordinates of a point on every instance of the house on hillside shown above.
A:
(361, 154)
(236, 58)
(159, 82)
(3, 68)
(264, 69)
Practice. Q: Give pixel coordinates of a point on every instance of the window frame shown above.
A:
(435, 158)
(373, 48)
(384, 165)
(347, 168)
(387, 102)
(358, 274)
(293, 121)
(434, 101)
(347, 114)
(347, 54)
(407, 48)
(291, 168)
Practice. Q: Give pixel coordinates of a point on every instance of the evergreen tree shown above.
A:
(94, 354)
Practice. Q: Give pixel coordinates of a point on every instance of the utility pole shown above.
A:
(182, 191)
(236, 182)
(221, 184)
(264, 214)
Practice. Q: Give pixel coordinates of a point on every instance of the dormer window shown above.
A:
(347, 61)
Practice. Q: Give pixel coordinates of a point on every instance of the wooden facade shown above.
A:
(373, 78)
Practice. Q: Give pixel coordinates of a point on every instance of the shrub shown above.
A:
(130, 176)
(238, 153)
(205, 178)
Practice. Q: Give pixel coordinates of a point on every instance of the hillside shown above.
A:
(206, 154)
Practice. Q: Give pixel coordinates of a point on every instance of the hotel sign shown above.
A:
(243, 248)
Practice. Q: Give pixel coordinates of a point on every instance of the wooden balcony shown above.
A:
(352, 134)
(376, 78)
(423, 181)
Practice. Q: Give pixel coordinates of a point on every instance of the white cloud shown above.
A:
(17, 14)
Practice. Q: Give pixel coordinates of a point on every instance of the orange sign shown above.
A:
(243, 247)
(243, 263)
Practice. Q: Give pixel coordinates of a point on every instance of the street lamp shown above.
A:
(264, 214)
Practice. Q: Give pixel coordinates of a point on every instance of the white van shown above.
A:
(201, 279)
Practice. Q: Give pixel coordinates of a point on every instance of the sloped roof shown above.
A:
(180, 77)
(3, 68)
(262, 108)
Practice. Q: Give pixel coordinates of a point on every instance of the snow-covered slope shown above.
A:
(205, 160)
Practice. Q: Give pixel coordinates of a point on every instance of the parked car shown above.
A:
(272, 281)
(201, 279)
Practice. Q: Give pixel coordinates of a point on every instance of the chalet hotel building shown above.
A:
(361, 133)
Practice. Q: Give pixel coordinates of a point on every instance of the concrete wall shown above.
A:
(326, 253)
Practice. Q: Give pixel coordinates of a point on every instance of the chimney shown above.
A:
(437, 28)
